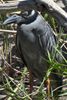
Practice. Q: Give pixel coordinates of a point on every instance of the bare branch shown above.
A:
(8, 7)
(8, 31)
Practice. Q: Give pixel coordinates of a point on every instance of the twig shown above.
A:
(8, 31)
(2, 1)
(59, 87)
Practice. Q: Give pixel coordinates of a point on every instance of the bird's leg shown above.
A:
(48, 88)
(30, 80)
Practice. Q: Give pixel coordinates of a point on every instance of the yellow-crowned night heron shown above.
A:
(34, 40)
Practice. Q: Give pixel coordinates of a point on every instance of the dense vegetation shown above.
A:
(14, 77)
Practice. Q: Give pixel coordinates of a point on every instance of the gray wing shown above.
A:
(48, 42)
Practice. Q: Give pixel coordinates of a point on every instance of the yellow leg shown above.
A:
(48, 89)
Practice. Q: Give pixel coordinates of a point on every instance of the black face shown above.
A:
(26, 14)
(29, 16)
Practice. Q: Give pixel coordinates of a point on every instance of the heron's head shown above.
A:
(23, 18)
(13, 19)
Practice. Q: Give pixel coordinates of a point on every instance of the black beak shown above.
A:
(12, 19)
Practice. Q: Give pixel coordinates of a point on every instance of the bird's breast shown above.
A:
(29, 43)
